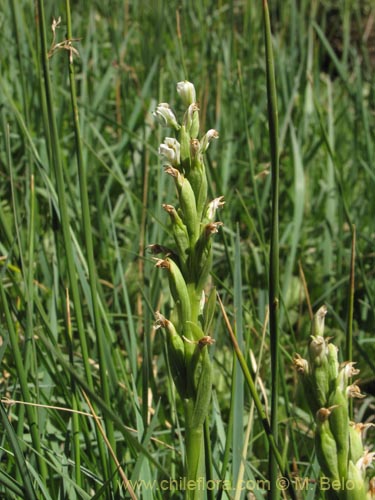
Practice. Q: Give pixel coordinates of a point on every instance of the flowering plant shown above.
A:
(338, 442)
(188, 266)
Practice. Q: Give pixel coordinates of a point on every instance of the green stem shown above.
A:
(208, 458)
(349, 325)
(194, 460)
(274, 247)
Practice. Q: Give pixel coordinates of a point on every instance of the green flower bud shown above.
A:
(186, 91)
(191, 120)
(317, 324)
(194, 130)
(325, 444)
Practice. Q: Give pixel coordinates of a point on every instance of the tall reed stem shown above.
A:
(56, 160)
(274, 246)
(87, 229)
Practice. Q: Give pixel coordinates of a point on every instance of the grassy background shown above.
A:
(130, 58)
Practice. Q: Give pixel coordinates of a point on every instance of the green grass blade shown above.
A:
(11, 485)
(20, 459)
(257, 402)
(30, 412)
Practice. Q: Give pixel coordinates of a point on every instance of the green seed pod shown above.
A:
(185, 149)
(194, 130)
(339, 425)
(356, 449)
(189, 209)
(179, 291)
(197, 177)
(333, 366)
(187, 202)
(325, 445)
